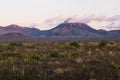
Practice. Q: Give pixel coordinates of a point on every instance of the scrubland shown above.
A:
(60, 61)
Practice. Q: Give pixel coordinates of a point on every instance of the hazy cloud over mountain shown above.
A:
(98, 22)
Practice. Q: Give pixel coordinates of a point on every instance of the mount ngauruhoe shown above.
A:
(80, 31)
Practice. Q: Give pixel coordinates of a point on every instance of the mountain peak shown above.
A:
(75, 24)
(13, 26)
(72, 29)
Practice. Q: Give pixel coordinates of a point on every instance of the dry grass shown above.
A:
(60, 61)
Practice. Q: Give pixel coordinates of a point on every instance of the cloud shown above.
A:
(114, 26)
(107, 23)
(87, 19)
(52, 22)
(97, 22)
(114, 18)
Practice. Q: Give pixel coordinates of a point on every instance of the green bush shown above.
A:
(17, 44)
(103, 43)
(1, 47)
(75, 54)
(25, 57)
(75, 44)
(11, 48)
(36, 57)
(54, 54)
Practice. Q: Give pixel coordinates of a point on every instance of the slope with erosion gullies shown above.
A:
(74, 29)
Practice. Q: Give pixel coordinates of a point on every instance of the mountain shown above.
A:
(19, 29)
(82, 31)
(62, 32)
(72, 29)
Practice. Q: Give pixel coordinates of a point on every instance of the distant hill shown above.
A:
(15, 37)
(19, 29)
(64, 31)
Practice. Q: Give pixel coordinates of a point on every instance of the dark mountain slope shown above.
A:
(73, 29)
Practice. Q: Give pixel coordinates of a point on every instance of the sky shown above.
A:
(46, 14)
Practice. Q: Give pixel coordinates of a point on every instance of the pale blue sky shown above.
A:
(27, 12)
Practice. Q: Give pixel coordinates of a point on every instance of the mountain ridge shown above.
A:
(19, 29)
(81, 30)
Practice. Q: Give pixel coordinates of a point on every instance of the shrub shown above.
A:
(36, 57)
(54, 54)
(11, 58)
(25, 57)
(103, 43)
(1, 47)
(75, 54)
(11, 48)
(75, 44)
(17, 44)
